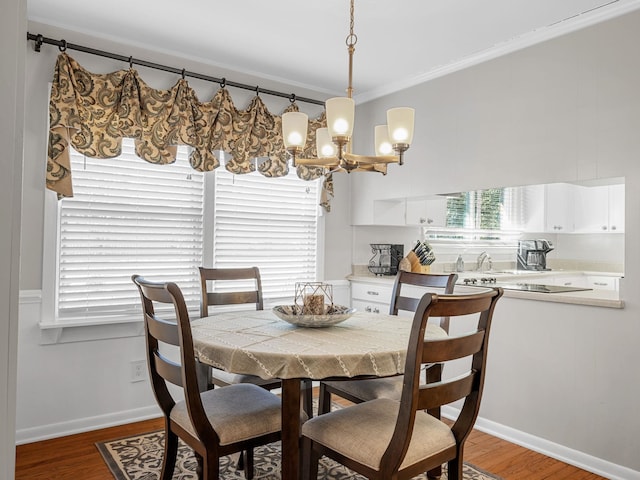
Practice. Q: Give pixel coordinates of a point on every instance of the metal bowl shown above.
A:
(333, 315)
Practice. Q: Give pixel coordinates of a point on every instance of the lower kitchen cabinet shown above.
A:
(371, 297)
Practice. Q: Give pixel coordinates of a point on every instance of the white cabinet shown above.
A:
(601, 282)
(599, 209)
(596, 282)
(559, 208)
(371, 297)
(429, 212)
(389, 212)
(616, 208)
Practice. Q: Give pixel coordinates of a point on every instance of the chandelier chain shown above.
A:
(352, 39)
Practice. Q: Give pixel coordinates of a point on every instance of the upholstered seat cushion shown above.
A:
(363, 432)
(231, 378)
(237, 412)
(371, 388)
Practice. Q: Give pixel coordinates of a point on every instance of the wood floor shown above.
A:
(75, 457)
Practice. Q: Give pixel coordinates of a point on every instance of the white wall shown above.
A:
(12, 53)
(565, 110)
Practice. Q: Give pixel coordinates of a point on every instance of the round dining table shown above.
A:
(257, 342)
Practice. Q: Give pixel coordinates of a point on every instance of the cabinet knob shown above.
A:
(613, 227)
(372, 292)
(376, 310)
(423, 220)
(367, 309)
(604, 227)
(429, 221)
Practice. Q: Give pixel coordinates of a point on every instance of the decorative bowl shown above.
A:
(333, 315)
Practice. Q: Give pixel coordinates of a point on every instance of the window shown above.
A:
(164, 221)
(482, 218)
(491, 209)
(271, 223)
(127, 216)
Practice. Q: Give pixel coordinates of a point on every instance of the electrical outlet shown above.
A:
(138, 370)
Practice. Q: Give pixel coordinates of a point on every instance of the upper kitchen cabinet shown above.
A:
(559, 202)
(599, 209)
(427, 212)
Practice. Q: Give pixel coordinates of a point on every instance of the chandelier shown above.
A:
(333, 143)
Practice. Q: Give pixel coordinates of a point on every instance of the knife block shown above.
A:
(416, 267)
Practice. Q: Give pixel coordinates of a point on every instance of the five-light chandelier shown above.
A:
(333, 143)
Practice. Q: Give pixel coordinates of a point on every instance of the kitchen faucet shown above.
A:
(482, 258)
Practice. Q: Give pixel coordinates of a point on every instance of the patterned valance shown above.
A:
(93, 112)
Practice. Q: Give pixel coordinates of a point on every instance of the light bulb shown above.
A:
(294, 129)
(340, 115)
(382, 143)
(324, 146)
(400, 121)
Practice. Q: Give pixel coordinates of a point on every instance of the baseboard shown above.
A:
(45, 432)
(564, 454)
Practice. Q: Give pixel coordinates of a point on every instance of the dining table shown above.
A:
(257, 342)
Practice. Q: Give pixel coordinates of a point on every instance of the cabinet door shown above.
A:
(599, 209)
(616, 208)
(431, 212)
(559, 208)
(389, 212)
(591, 209)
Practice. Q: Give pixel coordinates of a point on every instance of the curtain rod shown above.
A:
(64, 45)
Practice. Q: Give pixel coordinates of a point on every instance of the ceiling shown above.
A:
(302, 42)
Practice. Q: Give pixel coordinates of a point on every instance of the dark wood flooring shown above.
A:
(75, 457)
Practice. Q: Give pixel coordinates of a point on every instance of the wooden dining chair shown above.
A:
(230, 278)
(358, 391)
(385, 439)
(215, 422)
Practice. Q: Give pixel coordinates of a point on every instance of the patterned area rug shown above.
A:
(140, 458)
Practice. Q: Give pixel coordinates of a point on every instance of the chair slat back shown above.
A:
(416, 396)
(168, 370)
(175, 332)
(442, 393)
(452, 348)
(229, 275)
(400, 301)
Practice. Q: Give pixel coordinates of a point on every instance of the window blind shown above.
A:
(127, 216)
(491, 209)
(270, 223)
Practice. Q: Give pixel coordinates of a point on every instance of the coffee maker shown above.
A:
(532, 254)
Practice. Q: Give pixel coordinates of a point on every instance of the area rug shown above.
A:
(140, 458)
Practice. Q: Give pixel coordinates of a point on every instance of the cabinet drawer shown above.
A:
(371, 293)
(374, 307)
(602, 283)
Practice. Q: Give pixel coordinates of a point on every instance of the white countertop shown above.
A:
(594, 298)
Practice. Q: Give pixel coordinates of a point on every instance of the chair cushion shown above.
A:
(371, 388)
(237, 412)
(362, 432)
(231, 378)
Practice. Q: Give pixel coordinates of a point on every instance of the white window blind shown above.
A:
(127, 217)
(483, 217)
(270, 223)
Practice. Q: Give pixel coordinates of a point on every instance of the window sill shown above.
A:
(85, 330)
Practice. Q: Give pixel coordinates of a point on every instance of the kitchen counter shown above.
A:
(593, 298)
